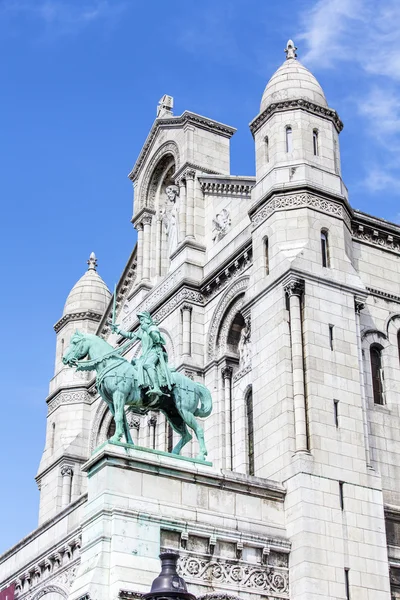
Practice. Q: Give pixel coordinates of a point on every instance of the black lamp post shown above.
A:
(168, 585)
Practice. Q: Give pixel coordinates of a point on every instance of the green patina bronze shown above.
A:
(147, 383)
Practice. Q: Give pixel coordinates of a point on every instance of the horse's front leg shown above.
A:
(119, 414)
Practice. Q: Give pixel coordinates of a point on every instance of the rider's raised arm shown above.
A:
(129, 334)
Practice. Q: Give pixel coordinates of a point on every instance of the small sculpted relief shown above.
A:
(170, 217)
(221, 225)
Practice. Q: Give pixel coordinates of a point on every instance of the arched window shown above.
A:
(266, 148)
(377, 373)
(250, 431)
(266, 256)
(289, 141)
(315, 142)
(324, 248)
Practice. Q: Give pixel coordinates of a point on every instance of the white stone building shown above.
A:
(285, 302)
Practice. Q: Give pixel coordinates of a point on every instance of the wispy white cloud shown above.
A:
(365, 33)
(63, 16)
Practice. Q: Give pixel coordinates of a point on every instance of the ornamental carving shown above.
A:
(299, 201)
(232, 270)
(183, 294)
(294, 286)
(67, 398)
(58, 567)
(78, 316)
(376, 237)
(227, 187)
(265, 580)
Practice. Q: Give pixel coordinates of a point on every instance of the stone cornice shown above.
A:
(180, 174)
(384, 295)
(88, 315)
(375, 232)
(124, 286)
(227, 272)
(315, 109)
(189, 470)
(143, 213)
(44, 527)
(225, 185)
(172, 122)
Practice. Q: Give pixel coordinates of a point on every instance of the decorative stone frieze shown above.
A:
(239, 374)
(57, 567)
(300, 200)
(376, 237)
(286, 105)
(227, 187)
(269, 581)
(70, 397)
(383, 294)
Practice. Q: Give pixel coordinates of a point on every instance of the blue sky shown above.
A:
(80, 84)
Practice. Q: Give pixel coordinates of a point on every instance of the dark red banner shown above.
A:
(8, 593)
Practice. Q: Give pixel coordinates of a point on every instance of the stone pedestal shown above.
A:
(228, 528)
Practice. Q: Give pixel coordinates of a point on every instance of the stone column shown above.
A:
(182, 209)
(139, 255)
(190, 175)
(66, 473)
(359, 305)
(146, 245)
(227, 410)
(186, 329)
(158, 244)
(294, 289)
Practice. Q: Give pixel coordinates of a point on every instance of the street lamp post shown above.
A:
(168, 585)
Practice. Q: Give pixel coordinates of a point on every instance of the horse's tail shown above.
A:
(205, 407)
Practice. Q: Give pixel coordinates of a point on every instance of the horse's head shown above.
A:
(77, 349)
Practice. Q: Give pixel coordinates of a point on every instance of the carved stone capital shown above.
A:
(133, 421)
(294, 286)
(189, 174)
(227, 372)
(187, 307)
(152, 421)
(138, 225)
(359, 304)
(181, 182)
(146, 219)
(67, 471)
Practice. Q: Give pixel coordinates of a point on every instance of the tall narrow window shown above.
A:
(53, 436)
(266, 256)
(250, 431)
(266, 148)
(341, 497)
(331, 336)
(398, 343)
(347, 583)
(315, 142)
(377, 373)
(289, 140)
(324, 248)
(336, 412)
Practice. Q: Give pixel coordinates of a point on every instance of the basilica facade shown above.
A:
(282, 300)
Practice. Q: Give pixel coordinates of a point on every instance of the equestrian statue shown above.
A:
(143, 384)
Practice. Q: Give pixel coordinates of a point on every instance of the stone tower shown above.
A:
(59, 476)
(304, 296)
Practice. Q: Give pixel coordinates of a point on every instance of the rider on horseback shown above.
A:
(153, 359)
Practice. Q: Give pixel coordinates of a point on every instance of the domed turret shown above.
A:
(90, 293)
(292, 81)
